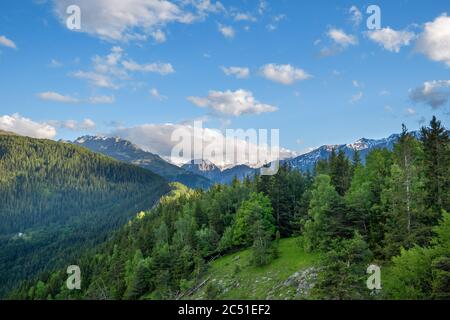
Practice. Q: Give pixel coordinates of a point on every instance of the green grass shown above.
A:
(235, 278)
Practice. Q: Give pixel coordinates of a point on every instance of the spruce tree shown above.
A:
(436, 165)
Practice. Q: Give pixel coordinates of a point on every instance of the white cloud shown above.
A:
(244, 17)
(155, 94)
(262, 7)
(96, 79)
(355, 15)
(157, 138)
(238, 72)
(390, 39)
(357, 84)
(234, 103)
(125, 20)
(285, 74)
(434, 41)
(4, 41)
(339, 42)
(227, 31)
(73, 125)
(161, 68)
(102, 99)
(159, 36)
(356, 97)
(434, 93)
(56, 97)
(341, 38)
(108, 70)
(55, 64)
(410, 112)
(27, 127)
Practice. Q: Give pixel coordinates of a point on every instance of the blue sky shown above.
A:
(309, 68)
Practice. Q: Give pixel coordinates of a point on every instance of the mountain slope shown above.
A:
(57, 198)
(126, 151)
(234, 277)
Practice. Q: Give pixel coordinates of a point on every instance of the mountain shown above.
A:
(126, 151)
(204, 168)
(57, 199)
(307, 161)
(209, 170)
(7, 133)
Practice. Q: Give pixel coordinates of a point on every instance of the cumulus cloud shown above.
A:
(434, 41)
(341, 38)
(339, 42)
(157, 138)
(161, 68)
(125, 20)
(234, 103)
(109, 70)
(96, 79)
(56, 97)
(4, 41)
(238, 72)
(434, 93)
(27, 127)
(390, 39)
(227, 31)
(285, 74)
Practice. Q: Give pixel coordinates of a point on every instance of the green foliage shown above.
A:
(344, 272)
(57, 200)
(255, 215)
(386, 211)
(326, 215)
(423, 273)
(436, 158)
(403, 199)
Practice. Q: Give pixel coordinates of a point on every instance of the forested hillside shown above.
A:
(391, 211)
(126, 151)
(57, 199)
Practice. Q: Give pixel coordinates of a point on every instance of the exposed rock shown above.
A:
(303, 281)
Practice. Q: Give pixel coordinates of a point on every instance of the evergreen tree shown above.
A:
(403, 199)
(344, 272)
(436, 166)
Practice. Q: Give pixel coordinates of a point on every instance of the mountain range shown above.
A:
(307, 161)
(203, 173)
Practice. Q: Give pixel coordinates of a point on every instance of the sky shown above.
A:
(319, 71)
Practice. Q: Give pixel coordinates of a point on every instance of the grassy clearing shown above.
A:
(235, 278)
